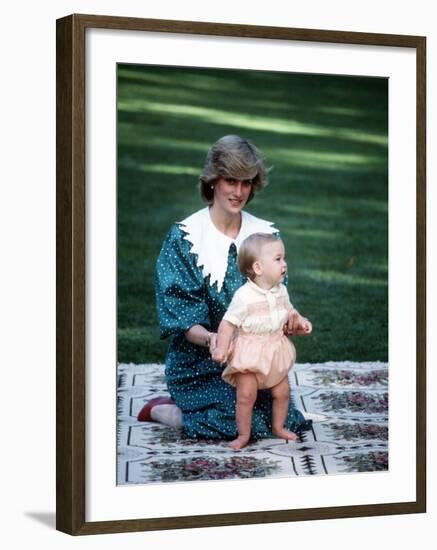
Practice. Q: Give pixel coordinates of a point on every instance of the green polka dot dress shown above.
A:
(185, 297)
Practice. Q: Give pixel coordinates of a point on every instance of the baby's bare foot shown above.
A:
(285, 434)
(239, 443)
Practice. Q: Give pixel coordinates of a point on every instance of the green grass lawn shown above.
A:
(326, 140)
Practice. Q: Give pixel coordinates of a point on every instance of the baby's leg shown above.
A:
(281, 395)
(247, 389)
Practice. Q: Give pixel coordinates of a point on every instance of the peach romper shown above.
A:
(260, 346)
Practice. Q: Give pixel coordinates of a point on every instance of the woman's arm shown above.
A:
(180, 289)
(199, 336)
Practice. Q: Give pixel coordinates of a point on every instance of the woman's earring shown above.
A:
(212, 186)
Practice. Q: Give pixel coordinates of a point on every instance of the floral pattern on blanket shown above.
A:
(351, 437)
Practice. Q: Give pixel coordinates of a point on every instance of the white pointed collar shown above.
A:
(274, 290)
(212, 246)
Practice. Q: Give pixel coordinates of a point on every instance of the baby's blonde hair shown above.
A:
(250, 251)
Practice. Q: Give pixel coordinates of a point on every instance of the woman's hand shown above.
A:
(212, 342)
(217, 355)
(200, 336)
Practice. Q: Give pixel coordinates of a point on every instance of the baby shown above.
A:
(259, 355)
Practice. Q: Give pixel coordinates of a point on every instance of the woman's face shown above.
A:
(231, 195)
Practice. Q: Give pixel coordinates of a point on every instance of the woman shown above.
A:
(196, 277)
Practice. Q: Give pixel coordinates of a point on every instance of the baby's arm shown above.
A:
(224, 337)
(232, 319)
(298, 325)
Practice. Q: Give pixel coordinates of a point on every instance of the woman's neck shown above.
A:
(226, 223)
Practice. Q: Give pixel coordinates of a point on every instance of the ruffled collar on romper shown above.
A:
(274, 290)
(212, 246)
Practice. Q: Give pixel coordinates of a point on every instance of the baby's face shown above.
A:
(272, 262)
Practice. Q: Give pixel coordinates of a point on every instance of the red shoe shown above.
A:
(144, 414)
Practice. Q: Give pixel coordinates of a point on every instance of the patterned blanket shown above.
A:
(351, 437)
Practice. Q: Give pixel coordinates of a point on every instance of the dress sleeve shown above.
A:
(180, 287)
(237, 310)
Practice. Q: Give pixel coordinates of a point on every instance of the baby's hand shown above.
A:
(219, 356)
(306, 326)
(298, 325)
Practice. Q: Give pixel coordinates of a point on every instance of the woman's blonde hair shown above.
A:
(250, 251)
(232, 157)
